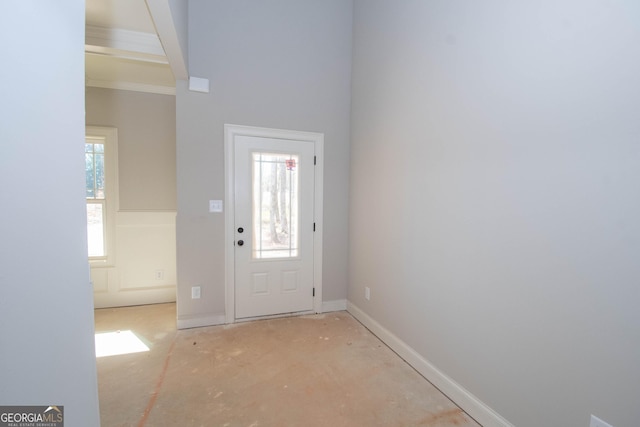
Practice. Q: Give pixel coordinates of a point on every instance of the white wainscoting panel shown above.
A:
(144, 270)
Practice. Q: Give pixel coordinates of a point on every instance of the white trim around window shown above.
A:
(109, 136)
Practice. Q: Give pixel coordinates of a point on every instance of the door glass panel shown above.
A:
(275, 205)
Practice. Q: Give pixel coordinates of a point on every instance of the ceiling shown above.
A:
(123, 50)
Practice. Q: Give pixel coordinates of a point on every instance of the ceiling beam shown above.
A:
(168, 22)
(117, 39)
(131, 86)
(125, 54)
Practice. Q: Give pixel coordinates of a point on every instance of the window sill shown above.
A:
(100, 263)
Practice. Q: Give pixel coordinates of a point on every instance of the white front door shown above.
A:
(273, 226)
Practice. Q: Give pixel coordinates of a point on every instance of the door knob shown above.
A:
(240, 242)
(240, 229)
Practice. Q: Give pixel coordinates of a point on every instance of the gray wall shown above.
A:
(47, 354)
(146, 126)
(279, 64)
(495, 197)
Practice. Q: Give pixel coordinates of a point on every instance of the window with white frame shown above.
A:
(96, 197)
(100, 153)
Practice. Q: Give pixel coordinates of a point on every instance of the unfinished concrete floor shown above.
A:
(323, 370)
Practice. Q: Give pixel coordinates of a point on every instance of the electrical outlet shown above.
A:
(215, 205)
(367, 293)
(597, 422)
(195, 292)
(159, 274)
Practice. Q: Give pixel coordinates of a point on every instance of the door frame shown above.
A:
(230, 133)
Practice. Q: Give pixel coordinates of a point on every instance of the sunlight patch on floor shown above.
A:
(119, 342)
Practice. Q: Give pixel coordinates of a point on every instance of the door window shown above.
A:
(275, 205)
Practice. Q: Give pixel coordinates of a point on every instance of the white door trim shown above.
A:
(230, 132)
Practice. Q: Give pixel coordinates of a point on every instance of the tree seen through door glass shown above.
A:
(275, 205)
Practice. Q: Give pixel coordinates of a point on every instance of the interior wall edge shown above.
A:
(335, 305)
(200, 320)
(473, 406)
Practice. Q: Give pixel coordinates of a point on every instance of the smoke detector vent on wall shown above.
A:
(198, 84)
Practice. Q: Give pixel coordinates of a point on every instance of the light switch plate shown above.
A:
(215, 205)
(195, 292)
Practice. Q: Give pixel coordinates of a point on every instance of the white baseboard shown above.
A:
(482, 413)
(336, 305)
(196, 321)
